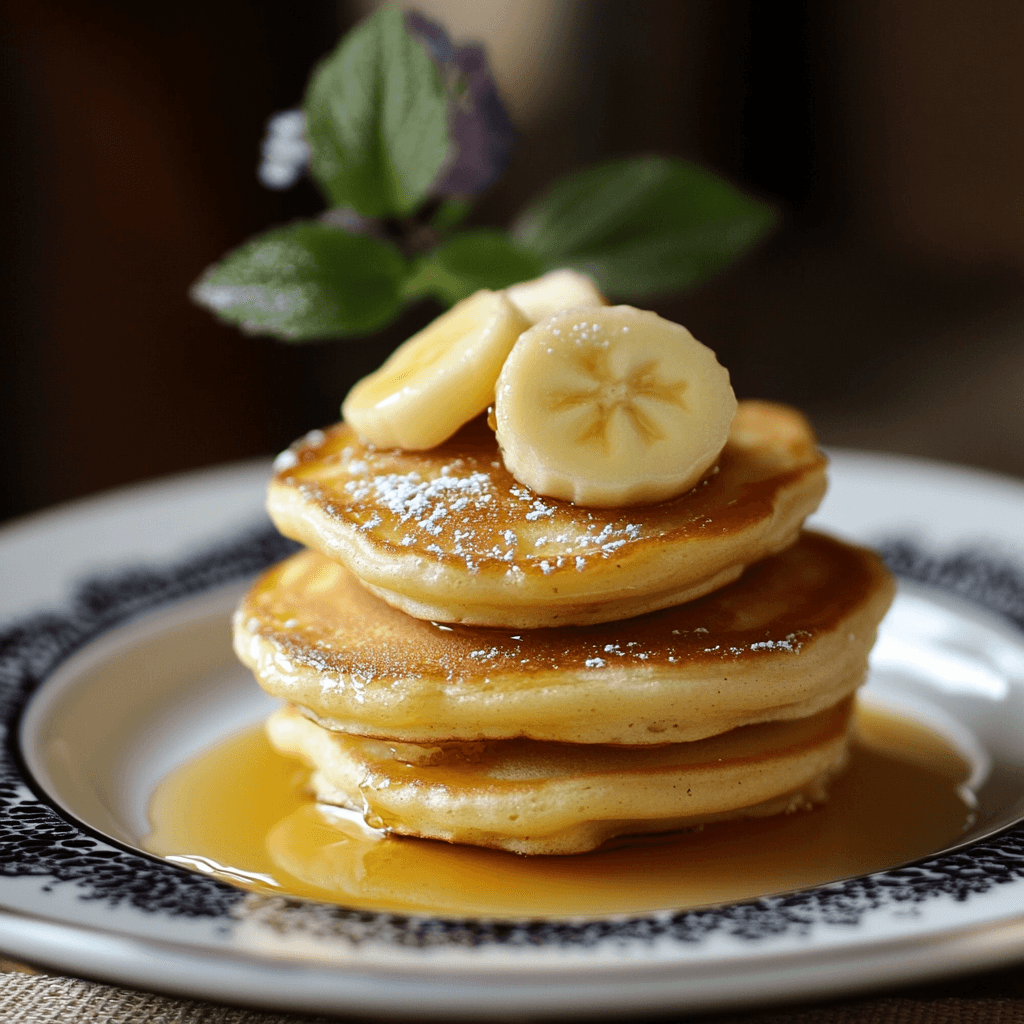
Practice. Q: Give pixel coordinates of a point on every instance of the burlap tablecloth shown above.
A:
(995, 997)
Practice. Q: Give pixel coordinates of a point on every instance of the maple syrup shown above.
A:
(242, 812)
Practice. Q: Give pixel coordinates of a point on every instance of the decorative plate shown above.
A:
(115, 667)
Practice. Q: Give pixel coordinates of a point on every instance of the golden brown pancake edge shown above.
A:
(356, 665)
(449, 535)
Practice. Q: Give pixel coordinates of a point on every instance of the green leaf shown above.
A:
(450, 214)
(469, 261)
(305, 281)
(643, 226)
(377, 119)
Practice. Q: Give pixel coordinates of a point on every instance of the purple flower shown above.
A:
(481, 130)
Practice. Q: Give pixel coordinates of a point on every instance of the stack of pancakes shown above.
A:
(465, 660)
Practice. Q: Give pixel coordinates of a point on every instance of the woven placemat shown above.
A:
(30, 997)
(43, 999)
(894, 1011)
(39, 999)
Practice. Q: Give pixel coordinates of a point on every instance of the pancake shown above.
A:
(553, 798)
(449, 535)
(788, 639)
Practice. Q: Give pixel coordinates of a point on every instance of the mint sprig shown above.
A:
(403, 130)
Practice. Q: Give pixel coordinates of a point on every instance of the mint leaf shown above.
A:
(305, 281)
(643, 226)
(377, 120)
(469, 261)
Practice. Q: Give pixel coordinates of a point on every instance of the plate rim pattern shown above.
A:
(39, 841)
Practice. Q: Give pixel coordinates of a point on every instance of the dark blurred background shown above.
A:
(889, 304)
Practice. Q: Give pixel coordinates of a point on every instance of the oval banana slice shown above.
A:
(560, 289)
(440, 378)
(611, 406)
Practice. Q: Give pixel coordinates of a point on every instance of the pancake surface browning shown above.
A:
(553, 798)
(449, 535)
(790, 638)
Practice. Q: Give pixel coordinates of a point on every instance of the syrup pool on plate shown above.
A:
(241, 811)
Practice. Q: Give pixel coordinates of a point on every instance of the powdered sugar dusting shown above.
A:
(458, 504)
(285, 461)
(462, 508)
(353, 661)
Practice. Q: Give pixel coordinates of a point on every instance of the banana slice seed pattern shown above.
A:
(613, 393)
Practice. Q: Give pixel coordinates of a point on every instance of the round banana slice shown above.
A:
(611, 406)
(550, 294)
(440, 378)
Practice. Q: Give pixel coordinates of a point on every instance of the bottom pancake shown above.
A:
(537, 797)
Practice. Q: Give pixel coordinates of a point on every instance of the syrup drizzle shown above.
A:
(242, 813)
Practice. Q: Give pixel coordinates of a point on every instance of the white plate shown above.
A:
(131, 673)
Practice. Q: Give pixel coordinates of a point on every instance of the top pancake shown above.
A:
(449, 535)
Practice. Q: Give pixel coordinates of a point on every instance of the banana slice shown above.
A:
(440, 378)
(611, 406)
(550, 294)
